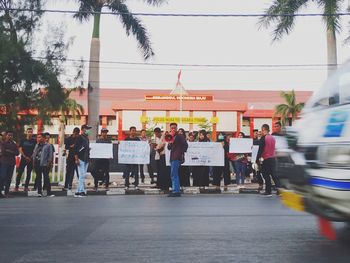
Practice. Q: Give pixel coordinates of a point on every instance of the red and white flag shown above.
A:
(179, 77)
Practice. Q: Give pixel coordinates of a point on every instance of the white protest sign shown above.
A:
(281, 142)
(133, 152)
(241, 145)
(101, 150)
(202, 154)
(255, 150)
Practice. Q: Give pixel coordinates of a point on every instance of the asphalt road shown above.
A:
(206, 228)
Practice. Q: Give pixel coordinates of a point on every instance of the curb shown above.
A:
(146, 191)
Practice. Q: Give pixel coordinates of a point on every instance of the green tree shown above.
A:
(69, 107)
(27, 84)
(281, 13)
(288, 111)
(132, 25)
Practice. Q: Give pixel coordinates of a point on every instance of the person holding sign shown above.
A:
(201, 173)
(163, 173)
(132, 168)
(218, 171)
(178, 146)
(101, 169)
(240, 164)
(184, 172)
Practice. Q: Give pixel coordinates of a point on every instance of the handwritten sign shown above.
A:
(133, 152)
(202, 154)
(241, 145)
(255, 151)
(101, 150)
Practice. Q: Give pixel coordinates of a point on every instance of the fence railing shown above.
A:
(58, 171)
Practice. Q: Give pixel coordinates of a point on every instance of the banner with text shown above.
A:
(133, 152)
(101, 150)
(202, 154)
(241, 145)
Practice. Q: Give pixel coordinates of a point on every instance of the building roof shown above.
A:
(254, 103)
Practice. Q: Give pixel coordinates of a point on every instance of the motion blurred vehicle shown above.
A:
(314, 168)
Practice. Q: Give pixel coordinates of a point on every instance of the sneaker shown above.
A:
(77, 194)
(136, 188)
(126, 188)
(39, 195)
(266, 194)
(65, 189)
(51, 195)
(82, 194)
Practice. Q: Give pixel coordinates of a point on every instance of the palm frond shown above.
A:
(133, 26)
(155, 2)
(86, 7)
(331, 7)
(275, 14)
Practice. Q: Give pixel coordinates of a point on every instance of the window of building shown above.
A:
(111, 120)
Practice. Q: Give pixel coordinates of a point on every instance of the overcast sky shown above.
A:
(236, 41)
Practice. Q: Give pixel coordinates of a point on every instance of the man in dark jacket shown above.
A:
(177, 148)
(9, 151)
(82, 158)
(71, 167)
(101, 169)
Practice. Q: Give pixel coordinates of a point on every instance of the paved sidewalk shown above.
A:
(117, 188)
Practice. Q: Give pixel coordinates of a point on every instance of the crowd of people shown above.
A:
(38, 154)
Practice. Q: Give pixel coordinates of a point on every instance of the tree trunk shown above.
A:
(94, 80)
(331, 51)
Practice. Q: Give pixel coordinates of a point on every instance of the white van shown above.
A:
(315, 169)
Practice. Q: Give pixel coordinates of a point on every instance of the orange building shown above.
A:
(226, 110)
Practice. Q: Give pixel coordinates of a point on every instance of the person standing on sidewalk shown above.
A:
(82, 158)
(257, 173)
(163, 174)
(222, 170)
(26, 148)
(177, 148)
(46, 161)
(71, 167)
(144, 138)
(266, 156)
(40, 139)
(131, 168)
(9, 151)
(102, 165)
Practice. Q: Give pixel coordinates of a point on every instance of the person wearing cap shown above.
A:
(102, 165)
(82, 157)
(71, 167)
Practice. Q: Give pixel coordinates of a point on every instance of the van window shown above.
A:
(335, 91)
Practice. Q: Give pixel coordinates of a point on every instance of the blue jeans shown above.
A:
(82, 169)
(240, 169)
(175, 182)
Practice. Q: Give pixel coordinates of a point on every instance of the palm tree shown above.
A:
(132, 25)
(290, 110)
(282, 12)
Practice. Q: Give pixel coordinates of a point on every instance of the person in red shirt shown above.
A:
(266, 157)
